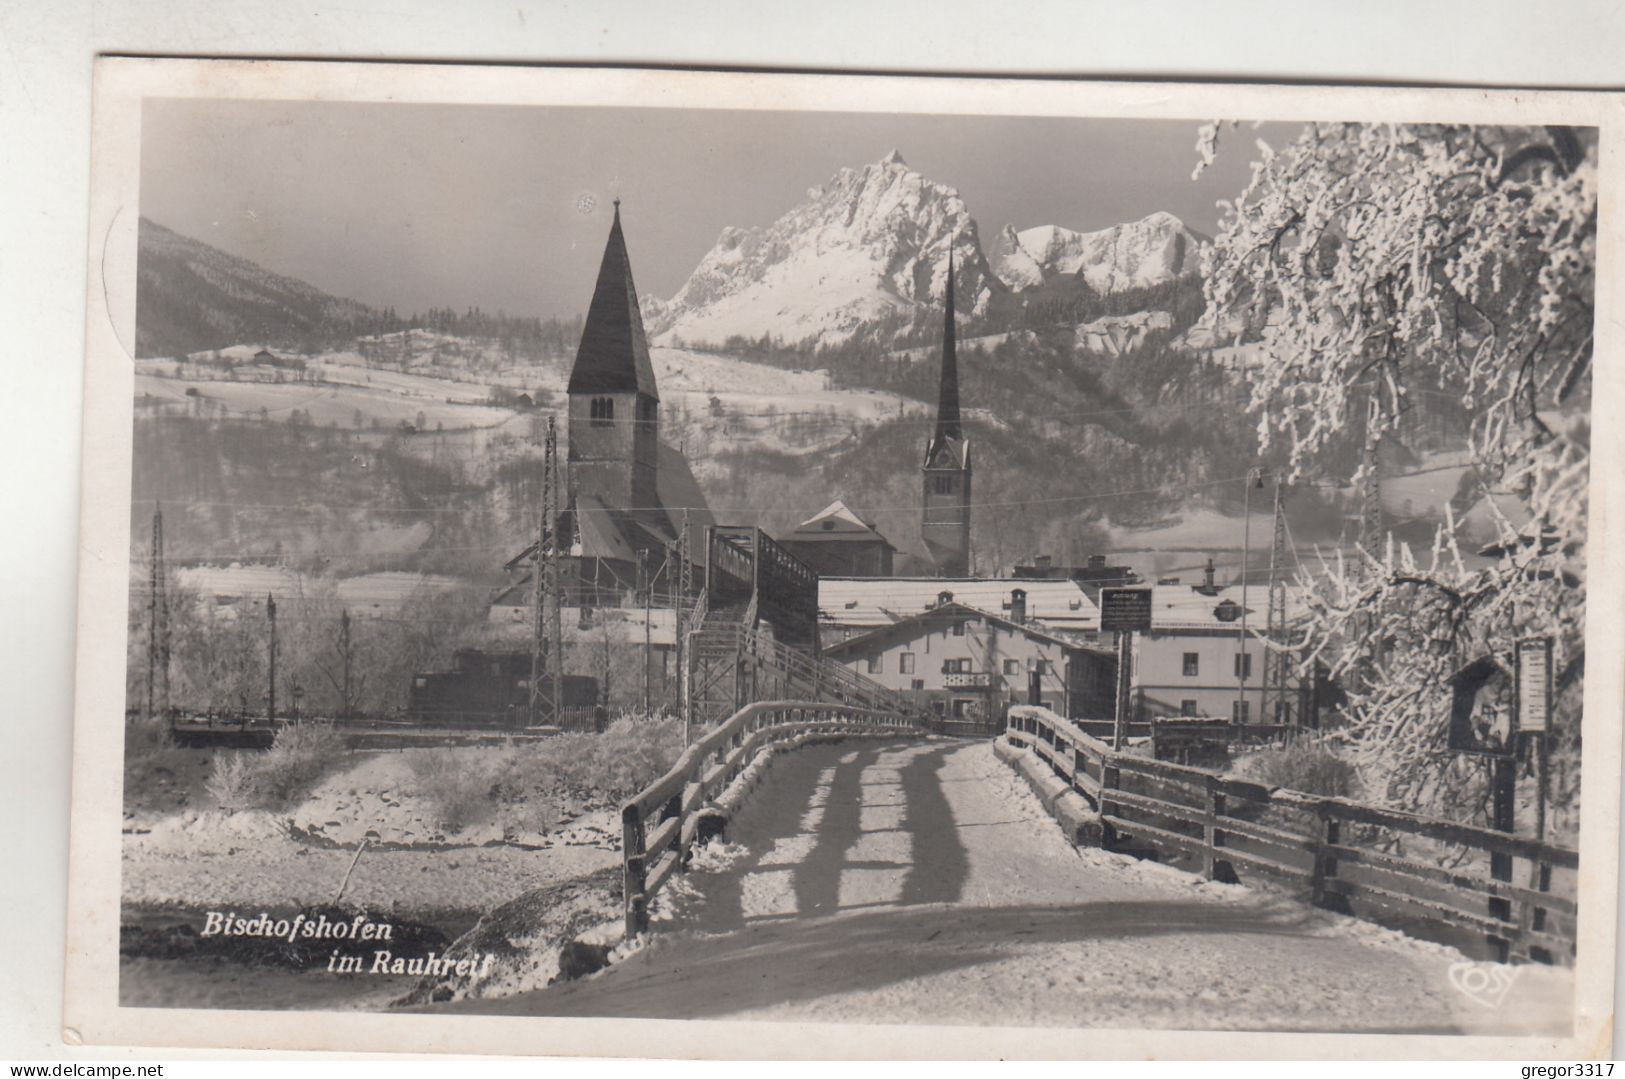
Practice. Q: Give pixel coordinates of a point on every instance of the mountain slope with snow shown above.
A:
(1137, 254)
(871, 244)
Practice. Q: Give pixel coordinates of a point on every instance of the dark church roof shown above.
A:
(948, 435)
(948, 393)
(614, 354)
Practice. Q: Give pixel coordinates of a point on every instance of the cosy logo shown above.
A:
(1483, 983)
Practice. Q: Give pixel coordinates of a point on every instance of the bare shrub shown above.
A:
(1304, 766)
(463, 788)
(299, 756)
(231, 782)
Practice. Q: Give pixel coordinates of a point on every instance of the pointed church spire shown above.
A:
(614, 353)
(948, 395)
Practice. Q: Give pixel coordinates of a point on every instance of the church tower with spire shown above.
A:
(614, 407)
(947, 472)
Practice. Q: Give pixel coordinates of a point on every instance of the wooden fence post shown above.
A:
(637, 906)
(1215, 867)
(1326, 865)
(1109, 779)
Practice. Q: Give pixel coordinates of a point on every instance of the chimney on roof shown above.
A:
(1018, 605)
(1207, 573)
(944, 598)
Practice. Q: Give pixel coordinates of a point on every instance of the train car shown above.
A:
(489, 690)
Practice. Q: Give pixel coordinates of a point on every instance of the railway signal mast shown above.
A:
(157, 622)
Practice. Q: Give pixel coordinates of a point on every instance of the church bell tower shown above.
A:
(614, 406)
(946, 521)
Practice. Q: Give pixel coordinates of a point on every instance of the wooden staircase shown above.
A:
(733, 663)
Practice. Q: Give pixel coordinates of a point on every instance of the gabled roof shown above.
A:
(835, 521)
(952, 611)
(865, 602)
(614, 353)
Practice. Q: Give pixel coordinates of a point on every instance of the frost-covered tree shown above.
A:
(1370, 266)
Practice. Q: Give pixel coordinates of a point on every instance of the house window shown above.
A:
(1193, 664)
(1187, 708)
(602, 411)
(1012, 666)
(1044, 666)
(918, 683)
(956, 666)
(944, 485)
(959, 629)
(1238, 711)
(874, 664)
(905, 663)
(1244, 665)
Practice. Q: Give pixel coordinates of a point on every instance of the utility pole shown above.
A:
(551, 505)
(270, 694)
(157, 622)
(347, 705)
(538, 635)
(1255, 478)
(646, 580)
(685, 582)
(1276, 658)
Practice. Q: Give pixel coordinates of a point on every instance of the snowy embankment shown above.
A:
(925, 883)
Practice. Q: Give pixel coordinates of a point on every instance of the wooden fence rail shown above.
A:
(660, 825)
(1360, 859)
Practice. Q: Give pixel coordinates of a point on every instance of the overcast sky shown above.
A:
(507, 208)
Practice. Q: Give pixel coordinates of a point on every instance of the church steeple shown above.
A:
(948, 392)
(614, 354)
(945, 523)
(614, 404)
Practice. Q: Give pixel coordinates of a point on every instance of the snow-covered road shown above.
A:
(923, 883)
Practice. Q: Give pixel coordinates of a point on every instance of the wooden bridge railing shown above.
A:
(660, 825)
(1349, 856)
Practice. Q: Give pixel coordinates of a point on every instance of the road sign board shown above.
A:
(1125, 610)
(1535, 684)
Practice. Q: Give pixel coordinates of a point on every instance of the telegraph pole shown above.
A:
(270, 695)
(1275, 634)
(537, 634)
(551, 507)
(684, 587)
(157, 622)
(1255, 477)
(647, 582)
(346, 706)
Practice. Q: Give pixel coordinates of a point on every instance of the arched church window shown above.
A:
(945, 485)
(602, 411)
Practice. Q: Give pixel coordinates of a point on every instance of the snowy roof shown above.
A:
(935, 614)
(865, 602)
(1183, 607)
(835, 522)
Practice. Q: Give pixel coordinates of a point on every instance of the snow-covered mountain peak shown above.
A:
(868, 245)
(1155, 249)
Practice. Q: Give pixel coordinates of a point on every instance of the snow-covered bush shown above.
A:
(1303, 766)
(231, 782)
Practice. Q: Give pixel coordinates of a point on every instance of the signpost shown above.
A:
(1124, 611)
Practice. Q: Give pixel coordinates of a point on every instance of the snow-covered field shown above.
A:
(924, 883)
